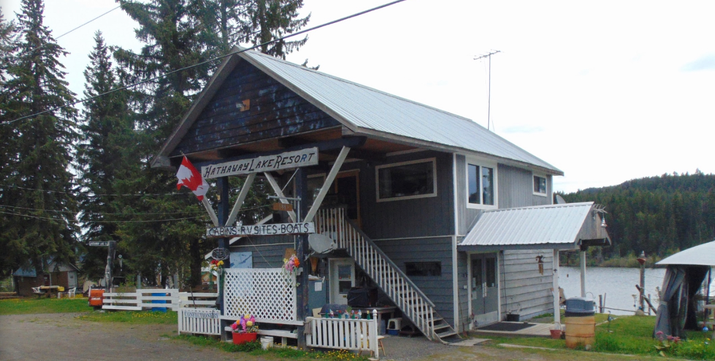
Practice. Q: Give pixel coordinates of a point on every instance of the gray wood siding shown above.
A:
(267, 251)
(523, 289)
(463, 293)
(437, 289)
(516, 188)
(421, 217)
(275, 111)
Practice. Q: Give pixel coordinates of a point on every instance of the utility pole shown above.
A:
(489, 96)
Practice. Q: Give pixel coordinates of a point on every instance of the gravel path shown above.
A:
(64, 337)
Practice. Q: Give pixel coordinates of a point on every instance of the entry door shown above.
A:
(347, 187)
(342, 279)
(484, 287)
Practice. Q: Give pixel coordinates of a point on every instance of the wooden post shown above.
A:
(600, 303)
(641, 291)
(555, 286)
(223, 210)
(301, 186)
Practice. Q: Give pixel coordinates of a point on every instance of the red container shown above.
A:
(96, 297)
(239, 338)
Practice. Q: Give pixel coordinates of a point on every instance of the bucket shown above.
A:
(266, 342)
(580, 331)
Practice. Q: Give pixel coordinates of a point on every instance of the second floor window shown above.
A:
(480, 180)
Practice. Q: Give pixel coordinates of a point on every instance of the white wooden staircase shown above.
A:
(394, 283)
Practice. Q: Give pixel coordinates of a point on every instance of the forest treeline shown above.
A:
(656, 215)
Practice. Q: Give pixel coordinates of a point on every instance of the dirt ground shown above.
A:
(64, 337)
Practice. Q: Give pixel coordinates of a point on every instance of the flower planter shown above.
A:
(239, 338)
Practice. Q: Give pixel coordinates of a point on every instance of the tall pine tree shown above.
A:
(37, 199)
(103, 155)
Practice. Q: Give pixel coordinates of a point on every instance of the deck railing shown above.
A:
(345, 334)
(406, 295)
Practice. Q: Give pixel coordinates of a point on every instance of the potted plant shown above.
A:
(244, 329)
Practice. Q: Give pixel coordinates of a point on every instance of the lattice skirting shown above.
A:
(268, 294)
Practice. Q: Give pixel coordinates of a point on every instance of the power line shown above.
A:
(94, 213)
(143, 221)
(87, 22)
(204, 62)
(98, 195)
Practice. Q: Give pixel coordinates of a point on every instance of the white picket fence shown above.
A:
(343, 334)
(144, 299)
(203, 321)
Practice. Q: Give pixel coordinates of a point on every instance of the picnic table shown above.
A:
(47, 290)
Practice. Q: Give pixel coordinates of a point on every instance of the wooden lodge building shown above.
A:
(448, 222)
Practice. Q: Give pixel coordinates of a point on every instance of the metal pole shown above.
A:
(555, 286)
(641, 291)
(583, 273)
(489, 95)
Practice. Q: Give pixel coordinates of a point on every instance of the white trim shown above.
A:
(329, 181)
(546, 184)
(455, 257)
(392, 165)
(495, 179)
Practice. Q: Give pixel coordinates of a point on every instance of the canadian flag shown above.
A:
(192, 179)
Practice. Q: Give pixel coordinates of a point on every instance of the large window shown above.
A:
(481, 185)
(539, 185)
(406, 180)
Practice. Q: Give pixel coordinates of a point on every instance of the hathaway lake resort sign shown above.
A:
(261, 230)
(266, 163)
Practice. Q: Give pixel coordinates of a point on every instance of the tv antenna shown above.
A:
(489, 96)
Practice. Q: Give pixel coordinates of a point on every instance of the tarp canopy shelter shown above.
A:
(686, 272)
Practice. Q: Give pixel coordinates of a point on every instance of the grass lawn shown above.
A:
(630, 335)
(23, 306)
(137, 317)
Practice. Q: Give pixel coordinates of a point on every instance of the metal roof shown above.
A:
(560, 226)
(701, 255)
(373, 112)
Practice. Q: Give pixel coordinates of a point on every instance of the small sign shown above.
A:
(299, 158)
(99, 243)
(261, 230)
(287, 207)
(219, 254)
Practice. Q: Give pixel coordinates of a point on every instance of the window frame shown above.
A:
(546, 184)
(432, 160)
(481, 163)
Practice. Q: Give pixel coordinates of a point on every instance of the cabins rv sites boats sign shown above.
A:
(261, 230)
(267, 163)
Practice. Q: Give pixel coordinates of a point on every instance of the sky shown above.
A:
(606, 91)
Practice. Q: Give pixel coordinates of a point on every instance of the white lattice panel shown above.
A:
(268, 294)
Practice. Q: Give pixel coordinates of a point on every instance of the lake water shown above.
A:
(617, 284)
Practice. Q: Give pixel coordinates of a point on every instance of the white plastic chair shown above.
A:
(71, 292)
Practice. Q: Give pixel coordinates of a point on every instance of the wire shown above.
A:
(144, 221)
(202, 63)
(87, 22)
(94, 213)
(99, 195)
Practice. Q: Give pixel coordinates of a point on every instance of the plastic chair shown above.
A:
(72, 292)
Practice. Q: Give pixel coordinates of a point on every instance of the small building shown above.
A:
(427, 211)
(55, 274)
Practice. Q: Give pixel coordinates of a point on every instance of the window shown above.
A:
(423, 268)
(539, 185)
(481, 185)
(406, 180)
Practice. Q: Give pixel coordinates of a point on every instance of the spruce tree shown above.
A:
(103, 155)
(266, 21)
(37, 199)
(171, 31)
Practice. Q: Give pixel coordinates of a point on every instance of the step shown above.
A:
(446, 334)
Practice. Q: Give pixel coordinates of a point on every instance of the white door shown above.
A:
(342, 279)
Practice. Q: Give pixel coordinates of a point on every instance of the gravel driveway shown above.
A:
(63, 337)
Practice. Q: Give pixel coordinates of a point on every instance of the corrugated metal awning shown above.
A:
(559, 226)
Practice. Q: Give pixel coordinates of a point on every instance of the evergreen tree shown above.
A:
(269, 20)
(37, 200)
(172, 33)
(102, 155)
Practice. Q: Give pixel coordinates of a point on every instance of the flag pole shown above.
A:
(211, 211)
